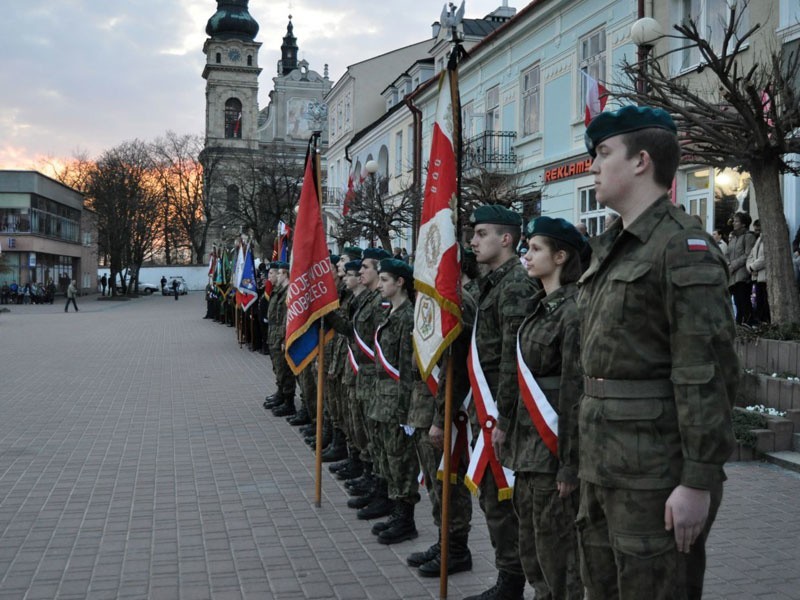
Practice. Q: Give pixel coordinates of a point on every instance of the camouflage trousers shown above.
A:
(395, 459)
(308, 388)
(284, 378)
(460, 513)
(625, 552)
(548, 542)
(364, 394)
(334, 404)
(503, 526)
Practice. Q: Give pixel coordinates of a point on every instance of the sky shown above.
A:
(82, 76)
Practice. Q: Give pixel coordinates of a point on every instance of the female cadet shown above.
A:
(543, 434)
(395, 447)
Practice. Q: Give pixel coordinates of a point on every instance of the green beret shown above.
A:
(353, 265)
(352, 251)
(558, 229)
(398, 268)
(334, 259)
(625, 120)
(375, 253)
(279, 264)
(496, 214)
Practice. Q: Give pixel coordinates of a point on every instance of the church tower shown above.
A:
(231, 137)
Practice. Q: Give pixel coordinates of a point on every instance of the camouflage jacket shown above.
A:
(338, 353)
(549, 341)
(505, 299)
(368, 316)
(277, 316)
(657, 350)
(395, 337)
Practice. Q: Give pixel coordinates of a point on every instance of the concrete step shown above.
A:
(796, 442)
(786, 459)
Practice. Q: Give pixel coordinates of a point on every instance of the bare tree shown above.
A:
(740, 110)
(375, 215)
(480, 186)
(185, 211)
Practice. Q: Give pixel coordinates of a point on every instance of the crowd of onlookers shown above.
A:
(29, 293)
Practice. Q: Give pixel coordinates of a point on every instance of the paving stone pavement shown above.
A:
(137, 462)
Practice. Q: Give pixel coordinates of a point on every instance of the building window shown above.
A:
(592, 62)
(347, 111)
(493, 109)
(339, 115)
(218, 57)
(466, 120)
(711, 17)
(593, 215)
(233, 118)
(410, 146)
(249, 60)
(398, 153)
(531, 100)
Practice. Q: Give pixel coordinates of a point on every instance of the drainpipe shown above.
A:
(416, 171)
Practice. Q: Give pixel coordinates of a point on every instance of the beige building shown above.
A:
(46, 233)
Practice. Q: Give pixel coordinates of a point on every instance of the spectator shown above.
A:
(404, 255)
(397, 254)
(756, 265)
(5, 293)
(720, 239)
(175, 285)
(103, 284)
(163, 283)
(739, 248)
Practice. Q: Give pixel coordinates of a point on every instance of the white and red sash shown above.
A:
(392, 371)
(364, 346)
(351, 358)
(433, 381)
(544, 417)
(460, 442)
(483, 454)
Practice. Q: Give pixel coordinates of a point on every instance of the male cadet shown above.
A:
(283, 403)
(503, 302)
(660, 372)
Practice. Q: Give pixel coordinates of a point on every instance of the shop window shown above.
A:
(592, 214)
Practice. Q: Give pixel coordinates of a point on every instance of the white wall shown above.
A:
(196, 277)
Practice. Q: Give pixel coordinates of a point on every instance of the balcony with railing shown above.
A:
(491, 150)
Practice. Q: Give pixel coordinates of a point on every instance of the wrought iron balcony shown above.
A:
(492, 150)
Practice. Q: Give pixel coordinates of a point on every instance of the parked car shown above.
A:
(182, 287)
(148, 288)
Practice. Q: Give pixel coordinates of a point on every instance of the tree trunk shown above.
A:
(784, 301)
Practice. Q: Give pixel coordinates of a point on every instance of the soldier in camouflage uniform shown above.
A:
(284, 378)
(394, 441)
(544, 453)
(660, 372)
(504, 301)
(427, 415)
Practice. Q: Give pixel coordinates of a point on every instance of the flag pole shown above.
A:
(448, 434)
(320, 359)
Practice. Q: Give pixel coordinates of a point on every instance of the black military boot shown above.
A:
(359, 502)
(381, 526)
(401, 529)
(285, 409)
(345, 463)
(337, 450)
(380, 506)
(417, 559)
(508, 587)
(459, 559)
(307, 430)
(301, 418)
(354, 469)
(272, 401)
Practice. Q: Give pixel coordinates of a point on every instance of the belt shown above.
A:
(627, 388)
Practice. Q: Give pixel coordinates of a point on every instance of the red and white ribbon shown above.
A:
(364, 346)
(351, 358)
(433, 381)
(543, 415)
(486, 410)
(393, 372)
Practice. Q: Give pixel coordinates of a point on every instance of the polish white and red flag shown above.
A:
(348, 197)
(596, 98)
(437, 264)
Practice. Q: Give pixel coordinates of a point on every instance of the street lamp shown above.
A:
(645, 33)
(372, 168)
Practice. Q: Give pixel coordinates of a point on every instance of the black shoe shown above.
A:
(401, 528)
(284, 410)
(340, 465)
(360, 502)
(508, 587)
(273, 401)
(382, 526)
(307, 430)
(333, 453)
(456, 563)
(417, 559)
(380, 506)
(354, 470)
(301, 418)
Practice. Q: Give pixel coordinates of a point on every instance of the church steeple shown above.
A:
(288, 50)
(232, 21)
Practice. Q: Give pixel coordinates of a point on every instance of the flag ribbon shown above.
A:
(461, 442)
(544, 417)
(486, 410)
(351, 358)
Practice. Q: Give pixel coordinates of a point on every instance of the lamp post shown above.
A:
(372, 167)
(644, 33)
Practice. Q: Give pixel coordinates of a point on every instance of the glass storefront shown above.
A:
(37, 267)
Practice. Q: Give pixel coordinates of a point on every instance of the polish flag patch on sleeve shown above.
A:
(697, 245)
